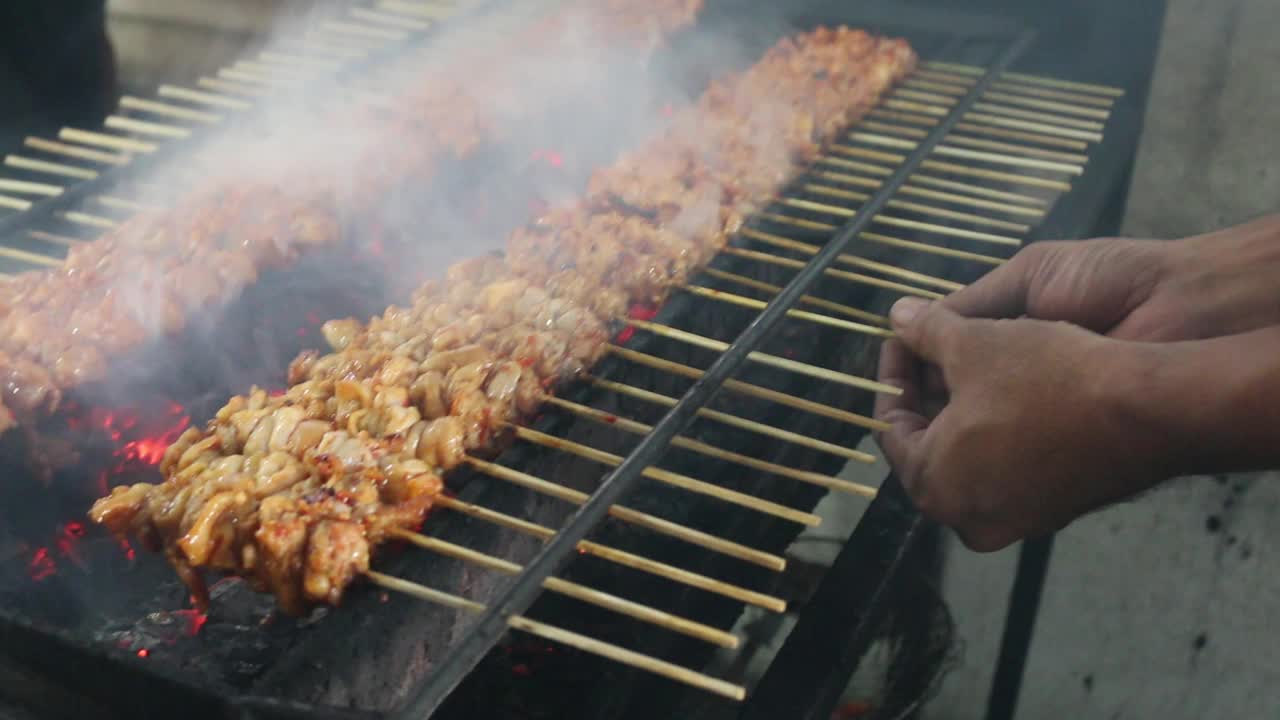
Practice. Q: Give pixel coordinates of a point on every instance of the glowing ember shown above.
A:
(195, 620)
(143, 653)
(638, 311)
(42, 565)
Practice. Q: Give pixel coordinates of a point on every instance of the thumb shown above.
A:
(925, 327)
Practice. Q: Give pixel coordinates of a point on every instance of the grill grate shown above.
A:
(957, 165)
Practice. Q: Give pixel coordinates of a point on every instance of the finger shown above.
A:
(1003, 292)
(903, 413)
(927, 328)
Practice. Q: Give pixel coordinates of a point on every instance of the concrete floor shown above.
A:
(1161, 608)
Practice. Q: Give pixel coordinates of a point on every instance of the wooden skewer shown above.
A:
(29, 257)
(620, 557)
(914, 107)
(1046, 129)
(622, 606)
(116, 122)
(1037, 138)
(81, 218)
(130, 102)
(817, 318)
(1051, 105)
(1064, 84)
(292, 73)
(903, 222)
(970, 218)
(908, 189)
(842, 274)
(97, 139)
(944, 76)
(395, 20)
(891, 158)
(407, 8)
(50, 168)
(733, 420)
(913, 132)
(79, 153)
(180, 93)
(1075, 98)
(565, 637)
(852, 260)
(14, 203)
(361, 30)
(633, 517)
(1010, 178)
(249, 79)
(680, 441)
(314, 44)
(806, 299)
(781, 363)
(903, 117)
(30, 188)
(952, 67)
(1016, 149)
(925, 97)
(941, 87)
(123, 204)
(1040, 117)
(684, 482)
(49, 237)
(280, 58)
(229, 86)
(932, 249)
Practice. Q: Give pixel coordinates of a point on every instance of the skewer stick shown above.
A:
(117, 122)
(1010, 178)
(762, 393)
(97, 139)
(914, 107)
(781, 363)
(1051, 105)
(633, 517)
(320, 46)
(608, 601)
(926, 97)
(123, 204)
(280, 58)
(904, 223)
(414, 9)
(1114, 92)
(970, 218)
(952, 67)
(14, 203)
(394, 20)
(948, 151)
(978, 190)
(29, 257)
(1044, 128)
(79, 153)
(842, 274)
(1075, 98)
(130, 102)
(852, 260)
(932, 249)
(619, 557)
(817, 318)
(681, 441)
(684, 482)
(1047, 118)
(565, 637)
(228, 86)
(342, 27)
(1013, 148)
(943, 76)
(82, 218)
(886, 128)
(806, 299)
(942, 87)
(908, 189)
(49, 237)
(903, 117)
(30, 188)
(1038, 138)
(891, 158)
(244, 77)
(293, 73)
(26, 163)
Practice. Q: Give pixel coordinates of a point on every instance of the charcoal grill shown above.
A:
(935, 186)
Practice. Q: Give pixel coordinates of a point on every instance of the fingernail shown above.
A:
(905, 310)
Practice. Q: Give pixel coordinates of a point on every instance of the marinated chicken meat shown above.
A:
(294, 491)
(60, 329)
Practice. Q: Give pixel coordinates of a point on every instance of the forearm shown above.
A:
(1206, 406)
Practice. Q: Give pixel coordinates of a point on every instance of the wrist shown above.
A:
(1139, 410)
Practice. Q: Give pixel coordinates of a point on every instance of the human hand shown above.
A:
(1200, 287)
(1010, 428)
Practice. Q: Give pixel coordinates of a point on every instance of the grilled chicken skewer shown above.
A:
(293, 491)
